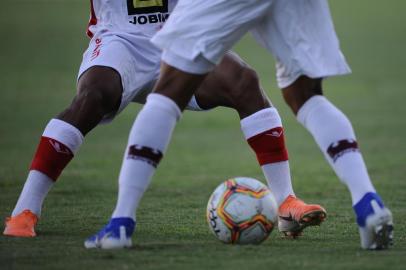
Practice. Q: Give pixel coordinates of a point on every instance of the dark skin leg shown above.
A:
(99, 93)
(231, 84)
(300, 91)
(177, 85)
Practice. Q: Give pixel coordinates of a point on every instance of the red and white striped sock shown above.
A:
(57, 146)
(264, 133)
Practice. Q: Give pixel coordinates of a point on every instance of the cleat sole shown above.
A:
(293, 229)
(19, 233)
(109, 244)
(292, 235)
(312, 219)
(378, 231)
(383, 237)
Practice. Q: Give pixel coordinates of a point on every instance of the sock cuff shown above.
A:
(309, 106)
(64, 133)
(164, 103)
(260, 121)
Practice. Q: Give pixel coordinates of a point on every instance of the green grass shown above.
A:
(40, 51)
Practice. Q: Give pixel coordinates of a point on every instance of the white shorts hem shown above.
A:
(199, 65)
(286, 82)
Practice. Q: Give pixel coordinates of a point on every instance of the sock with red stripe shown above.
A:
(335, 136)
(264, 133)
(59, 142)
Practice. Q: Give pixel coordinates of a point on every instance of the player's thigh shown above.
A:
(129, 62)
(301, 36)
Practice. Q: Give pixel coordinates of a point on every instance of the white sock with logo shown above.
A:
(270, 149)
(59, 142)
(334, 134)
(148, 140)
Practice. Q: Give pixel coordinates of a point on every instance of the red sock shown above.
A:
(51, 157)
(269, 146)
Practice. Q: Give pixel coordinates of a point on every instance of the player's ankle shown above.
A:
(363, 208)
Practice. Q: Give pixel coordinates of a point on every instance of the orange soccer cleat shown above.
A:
(295, 215)
(21, 225)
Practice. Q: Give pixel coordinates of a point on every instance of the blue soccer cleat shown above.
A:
(116, 234)
(374, 221)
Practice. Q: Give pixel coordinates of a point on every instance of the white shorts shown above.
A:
(300, 35)
(134, 58)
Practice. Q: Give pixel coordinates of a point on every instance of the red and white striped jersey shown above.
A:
(144, 17)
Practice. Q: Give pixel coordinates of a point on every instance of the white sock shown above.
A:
(34, 192)
(334, 134)
(279, 180)
(263, 131)
(148, 140)
(38, 183)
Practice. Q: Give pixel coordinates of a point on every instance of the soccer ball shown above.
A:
(242, 211)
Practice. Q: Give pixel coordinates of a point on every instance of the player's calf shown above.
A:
(247, 96)
(235, 85)
(301, 91)
(334, 134)
(99, 92)
(57, 146)
(145, 149)
(265, 135)
(239, 88)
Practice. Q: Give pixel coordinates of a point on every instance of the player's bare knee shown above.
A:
(101, 92)
(300, 91)
(89, 99)
(247, 95)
